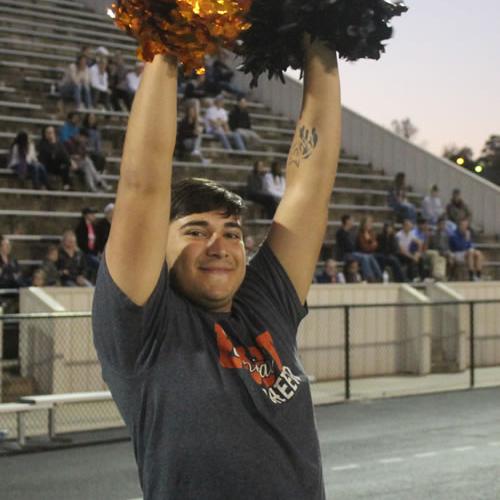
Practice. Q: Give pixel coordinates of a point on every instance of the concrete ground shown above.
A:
(432, 447)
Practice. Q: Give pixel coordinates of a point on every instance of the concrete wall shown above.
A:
(486, 319)
(385, 341)
(59, 352)
(450, 349)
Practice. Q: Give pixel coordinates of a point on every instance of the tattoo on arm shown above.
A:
(303, 146)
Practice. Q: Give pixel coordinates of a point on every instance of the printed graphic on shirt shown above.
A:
(277, 381)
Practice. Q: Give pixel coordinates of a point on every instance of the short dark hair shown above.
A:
(345, 218)
(191, 196)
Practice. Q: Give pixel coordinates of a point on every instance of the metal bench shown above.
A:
(50, 402)
(21, 409)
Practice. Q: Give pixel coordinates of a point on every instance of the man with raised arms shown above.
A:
(199, 349)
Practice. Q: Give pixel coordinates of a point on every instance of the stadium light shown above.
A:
(478, 169)
(460, 161)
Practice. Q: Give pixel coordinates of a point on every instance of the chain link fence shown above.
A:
(55, 355)
(355, 351)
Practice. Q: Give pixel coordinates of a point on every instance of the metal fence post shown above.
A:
(347, 349)
(472, 345)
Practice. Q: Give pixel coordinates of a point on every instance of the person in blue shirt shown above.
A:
(71, 127)
(463, 250)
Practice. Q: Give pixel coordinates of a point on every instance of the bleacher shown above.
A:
(38, 39)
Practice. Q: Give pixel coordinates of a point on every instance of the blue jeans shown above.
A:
(224, 137)
(369, 266)
(36, 171)
(76, 93)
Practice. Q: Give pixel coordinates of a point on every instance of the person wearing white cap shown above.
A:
(134, 78)
(103, 227)
(99, 82)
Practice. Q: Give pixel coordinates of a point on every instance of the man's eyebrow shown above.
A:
(236, 225)
(202, 223)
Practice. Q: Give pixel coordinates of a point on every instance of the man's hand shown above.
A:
(81, 281)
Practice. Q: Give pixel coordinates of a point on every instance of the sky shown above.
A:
(441, 69)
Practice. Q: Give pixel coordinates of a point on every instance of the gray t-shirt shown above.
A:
(218, 405)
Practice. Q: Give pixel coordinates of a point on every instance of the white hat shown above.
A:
(102, 51)
(109, 207)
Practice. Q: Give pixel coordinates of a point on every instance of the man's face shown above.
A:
(349, 223)
(206, 256)
(407, 226)
(243, 104)
(463, 225)
(69, 242)
(50, 135)
(331, 267)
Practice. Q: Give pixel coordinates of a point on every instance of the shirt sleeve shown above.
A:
(127, 337)
(268, 283)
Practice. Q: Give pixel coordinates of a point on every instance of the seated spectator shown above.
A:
(71, 263)
(75, 84)
(94, 146)
(99, 83)
(118, 87)
(352, 271)
(190, 132)
(240, 122)
(10, 273)
(216, 123)
(77, 148)
(70, 128)
(87, 52)
(410, 250)
(38, 278)
(463, 250)
(457, 209)
(398, 201)
(432, 206)
(103, 227)
(388, 249)
(255, 190)
(196, 88)
(219, 76)
(346, 250)
(49, 267)
(24, 161)
(330, 274)
(54, 157)
(432, 263)
(275, 181)
(86, 239)
(250, 248)
(134, 79)
(367, 244)
(440, 242)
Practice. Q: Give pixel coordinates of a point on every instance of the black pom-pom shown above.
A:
(356, 29)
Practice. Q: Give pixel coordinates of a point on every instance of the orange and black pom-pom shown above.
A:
(186, 29)
(356, 29)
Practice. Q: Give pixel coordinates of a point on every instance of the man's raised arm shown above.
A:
(300, 222)
(135, 251)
